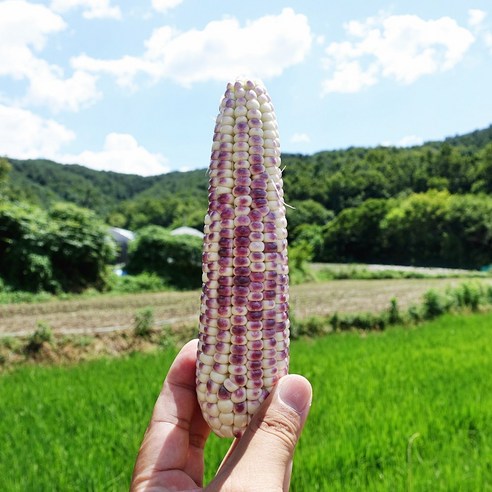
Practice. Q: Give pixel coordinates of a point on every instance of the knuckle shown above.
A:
(197, 440)
(280, 426)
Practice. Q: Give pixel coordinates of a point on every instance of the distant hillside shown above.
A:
(335, 180)
(49, 181)
(475, 140)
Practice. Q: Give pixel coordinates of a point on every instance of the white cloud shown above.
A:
(300, 138)
(164, 5)
(92, 9)
(23, 24)
(123, 154)
(24, 135)
(488, 40)
(123, 69)
(48, 88)
(224, 49)
(24, 29)
(476, 17)
(400, 47)
(409, 141)
(406, 141)
(349, 77)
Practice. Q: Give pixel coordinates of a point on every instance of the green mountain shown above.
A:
(474, 140)
(48, 181)
(425, 205)
(334, 179)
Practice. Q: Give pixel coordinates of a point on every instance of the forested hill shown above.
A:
(48, 181)
(334, 180)
(476, 139)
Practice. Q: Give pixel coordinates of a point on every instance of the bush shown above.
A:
(66, 248)
(41, 335)
(313, 326)
(299, 257)
(176, 259)
(394, 316)
(144, 321)
(24, 262)
(360, 321)
(414, 313)
(468, 295)
(433, 305)
(144, 282)
(80, 248)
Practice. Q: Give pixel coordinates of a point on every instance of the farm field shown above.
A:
(404, 409)
(113, 312)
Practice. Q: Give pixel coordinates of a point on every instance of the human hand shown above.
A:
(171, 454)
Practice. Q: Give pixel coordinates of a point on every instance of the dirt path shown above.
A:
(108, 313)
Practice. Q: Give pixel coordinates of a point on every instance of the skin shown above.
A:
(171, 454)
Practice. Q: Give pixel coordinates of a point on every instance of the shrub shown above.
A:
(433, 305)
(394, 316)
(23, 258)
(144, 321)
(8, 342)
(360, 321)
(313, 326)
(144, 282)
(299, 257)
(176, 259)
(80, 248)
(488, 294)
(468, 295)
(66, 248)
(42, 334)
(167, 337)
(414, 313)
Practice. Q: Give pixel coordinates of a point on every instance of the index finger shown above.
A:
(177, 432)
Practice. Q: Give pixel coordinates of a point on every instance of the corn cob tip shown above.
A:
(243, 346)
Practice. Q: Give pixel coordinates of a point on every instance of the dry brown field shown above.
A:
(106, 313)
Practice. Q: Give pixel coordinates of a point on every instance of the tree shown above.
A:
(355, 235)
(467, 232)
(306, 212)
(484, 173)
(412, 231)
(5, 169)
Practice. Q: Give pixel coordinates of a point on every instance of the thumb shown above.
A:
(262, 458)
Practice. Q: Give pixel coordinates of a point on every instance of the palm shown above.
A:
(171, 456)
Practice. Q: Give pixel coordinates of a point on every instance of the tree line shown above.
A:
(426, 205)
(434, 228)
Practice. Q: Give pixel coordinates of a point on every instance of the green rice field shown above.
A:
(407, 409)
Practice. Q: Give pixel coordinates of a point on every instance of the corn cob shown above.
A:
(243, 346)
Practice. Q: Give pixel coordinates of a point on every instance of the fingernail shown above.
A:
(295, 392)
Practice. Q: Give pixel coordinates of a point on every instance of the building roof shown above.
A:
(187, 230)
(121, 235)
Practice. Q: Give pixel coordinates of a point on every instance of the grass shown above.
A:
(360, 271)
(403, 409)
(400, 410)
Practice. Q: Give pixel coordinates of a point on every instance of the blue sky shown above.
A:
(134, 87)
